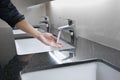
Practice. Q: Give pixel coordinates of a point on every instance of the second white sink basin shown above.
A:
(86, 71)
(32, 46)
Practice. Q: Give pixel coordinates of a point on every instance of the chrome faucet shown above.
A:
(71, 30)
(68, 27)
(46, 21)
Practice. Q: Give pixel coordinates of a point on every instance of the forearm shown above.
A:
(45, 38)
(26, 27)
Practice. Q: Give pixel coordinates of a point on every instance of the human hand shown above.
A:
(49, 39)
(46, 38)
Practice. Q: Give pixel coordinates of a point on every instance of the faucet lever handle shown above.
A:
(70, 22)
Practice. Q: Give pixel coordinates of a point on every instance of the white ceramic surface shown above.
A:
(88, 71)
(32, 46)
(77, 72)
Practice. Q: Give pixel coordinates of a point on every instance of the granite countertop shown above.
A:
(86, 51)
(89, 50)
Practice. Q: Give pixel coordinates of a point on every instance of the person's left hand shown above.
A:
(49, 39)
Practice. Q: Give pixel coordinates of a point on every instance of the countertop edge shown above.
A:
(79, 62)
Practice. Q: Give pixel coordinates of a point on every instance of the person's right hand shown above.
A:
(46, 38)
(49, 39)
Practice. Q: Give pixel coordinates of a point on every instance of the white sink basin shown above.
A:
(33, 46)
(87, 71)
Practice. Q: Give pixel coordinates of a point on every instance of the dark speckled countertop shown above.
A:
(86, 50)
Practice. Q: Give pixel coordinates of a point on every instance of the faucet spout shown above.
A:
(64, 27)
(70, 22)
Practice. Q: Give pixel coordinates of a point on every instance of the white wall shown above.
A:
(96, 20)
(33, 13)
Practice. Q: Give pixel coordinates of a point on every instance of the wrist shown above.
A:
(37, 34)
